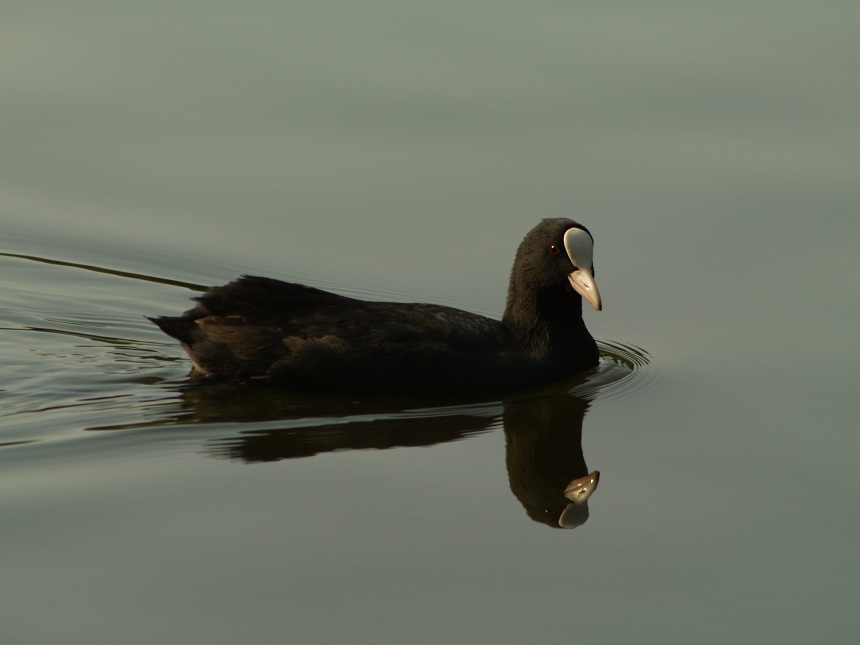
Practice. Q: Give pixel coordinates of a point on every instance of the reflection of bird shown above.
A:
(379, 434)
(259, 329)
(543, 435)
(546, 466)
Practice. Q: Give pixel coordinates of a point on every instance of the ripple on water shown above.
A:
(622, 372)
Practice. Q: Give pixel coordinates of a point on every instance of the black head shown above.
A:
(557, 253)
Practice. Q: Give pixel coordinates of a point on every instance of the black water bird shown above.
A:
(257, 329)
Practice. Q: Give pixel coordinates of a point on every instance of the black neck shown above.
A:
(545, 322)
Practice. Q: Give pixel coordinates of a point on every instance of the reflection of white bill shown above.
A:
(578, 491)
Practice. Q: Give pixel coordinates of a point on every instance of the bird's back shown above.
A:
(261, 329)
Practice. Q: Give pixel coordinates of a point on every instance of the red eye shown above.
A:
(553, 250)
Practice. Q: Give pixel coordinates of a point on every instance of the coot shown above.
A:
(257, 329)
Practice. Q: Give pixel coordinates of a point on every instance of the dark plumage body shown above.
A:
(301, 338)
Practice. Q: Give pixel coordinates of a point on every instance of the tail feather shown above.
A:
(176, 327)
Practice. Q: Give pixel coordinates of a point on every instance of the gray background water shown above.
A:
(400, 151)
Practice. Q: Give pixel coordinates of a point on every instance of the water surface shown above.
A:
(401, 152)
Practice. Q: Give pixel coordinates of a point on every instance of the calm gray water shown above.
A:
(401, 151)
